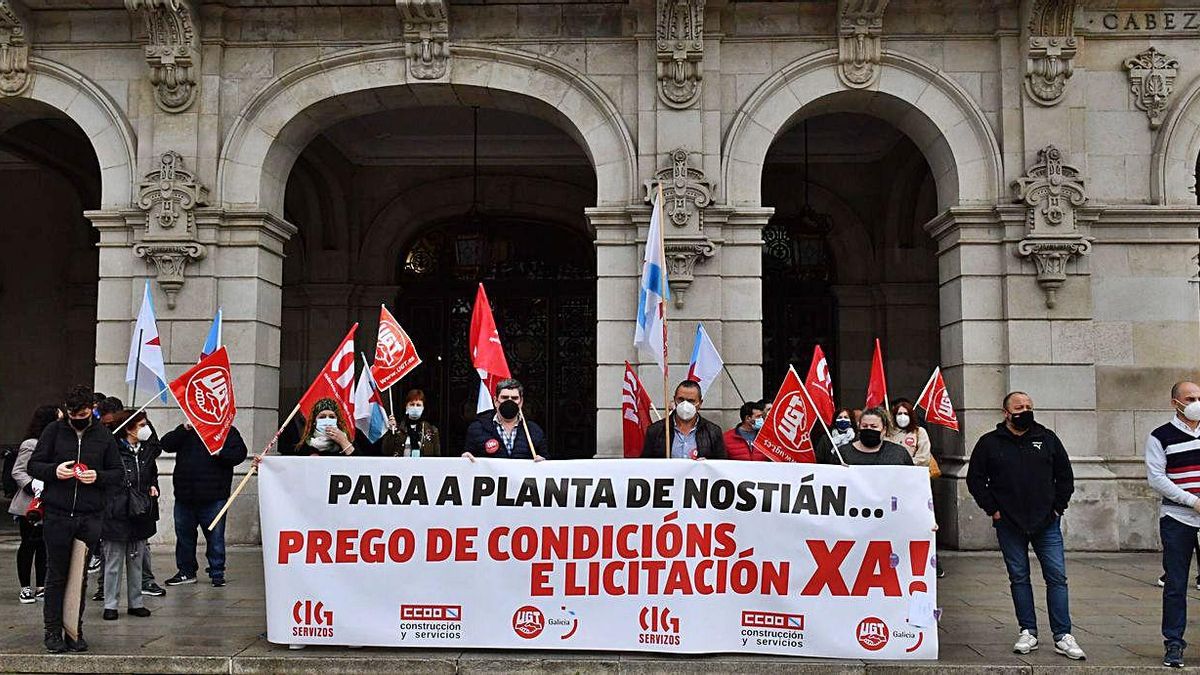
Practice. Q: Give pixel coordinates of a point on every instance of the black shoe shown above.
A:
(941, 573)
(181, 579)
(110, 615)
(77, 646)
(154, 590)
(94, 564)
(218, 582)
(54, 642)
(1172, 659)
(138, 611)
(99, 595)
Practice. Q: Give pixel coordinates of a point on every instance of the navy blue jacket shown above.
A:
(484, 441)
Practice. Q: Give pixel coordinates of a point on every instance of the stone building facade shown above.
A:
(1004, 188)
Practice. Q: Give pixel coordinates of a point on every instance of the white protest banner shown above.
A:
(635, 555)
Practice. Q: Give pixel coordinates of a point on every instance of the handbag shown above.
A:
(137, 503)
(934, 470)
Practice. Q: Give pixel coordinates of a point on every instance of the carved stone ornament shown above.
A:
(1051, 50)
(682, 255)
(14, 51)
(170, 261)
(685, 191)
(426, 37)
(679, 39)
(173, 52)
(1052, 192)
(1151, 79)
(860, 42)
(169, 197)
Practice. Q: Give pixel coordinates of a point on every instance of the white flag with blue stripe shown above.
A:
(650, 335)
(213, 342)
(145, 369)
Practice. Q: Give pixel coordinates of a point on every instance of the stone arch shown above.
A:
(278, 122)
(1176, 149)
(108, 131)
(934, 111)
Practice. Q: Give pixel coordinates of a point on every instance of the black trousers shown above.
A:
(31, 555)
(60, 533)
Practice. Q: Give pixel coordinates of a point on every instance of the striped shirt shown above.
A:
(1173, 469)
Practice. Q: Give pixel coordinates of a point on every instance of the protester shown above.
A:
(414, 436)
(107, 409)
(77, 459)
(766, 404)
(1171, 457)
(908, 434)
(31, 554)
(1020, 475)
(500, 433)
(131, 515)
(844, 422)
(870, 448)
(692, 436)
(201, 483)
(326, 431)
(739, 441)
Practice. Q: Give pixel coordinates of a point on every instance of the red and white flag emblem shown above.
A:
(936, 402)
(205, 395)
(395, 355)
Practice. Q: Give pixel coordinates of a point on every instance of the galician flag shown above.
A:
(145, 364)
(706, 364)
(651, 333)
(368, 405)
(213, 342)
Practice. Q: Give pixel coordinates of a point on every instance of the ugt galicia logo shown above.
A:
(872, 634)
(208, 395)
(528, 622)
(312, 619)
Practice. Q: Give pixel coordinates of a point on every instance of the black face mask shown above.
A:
(509, 410)
(1022, 421)
(870, 438)
(82, 424)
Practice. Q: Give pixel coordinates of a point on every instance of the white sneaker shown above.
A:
(27, 596)
(1069, 648)
(1026, 642)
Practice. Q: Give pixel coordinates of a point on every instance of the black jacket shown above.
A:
(141, 473)
(484, 441)
(710, 440)
(199, 476)
(1026, 478)
(95, 448)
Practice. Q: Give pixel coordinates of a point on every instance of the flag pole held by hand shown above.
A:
(528, 438)
(144, 406)
(253, 467)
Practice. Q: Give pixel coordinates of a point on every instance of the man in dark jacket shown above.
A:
(1020, 475)
(692, 436)
(201, 484)
(77, 459)
(501, 432)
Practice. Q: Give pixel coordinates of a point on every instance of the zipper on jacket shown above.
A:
(78, 455)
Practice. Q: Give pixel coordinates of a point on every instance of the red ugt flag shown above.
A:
(205, 395)
(936, 402)
(877, 385)
(395, 354)
(635, 412)
(786, 435)
(820, 385)
(335, 381)
(487, 354)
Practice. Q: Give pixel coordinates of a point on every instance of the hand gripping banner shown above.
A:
(653, 555)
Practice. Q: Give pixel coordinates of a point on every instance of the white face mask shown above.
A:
(143, 434)
(1190, 411)
(902, 420)
(325, 423)
(414, 411)
(685, 410)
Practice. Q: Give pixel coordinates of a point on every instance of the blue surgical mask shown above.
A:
(758, 424)
(325, 423)
(841, 424)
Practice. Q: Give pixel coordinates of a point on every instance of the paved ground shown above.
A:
(203, 629)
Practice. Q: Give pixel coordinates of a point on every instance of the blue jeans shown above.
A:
(1178, 540)
(189, 516)
(1048, 545)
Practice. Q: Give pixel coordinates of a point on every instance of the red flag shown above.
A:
(205, 395)
(635, 412)
(487, 354)
(936, 402)
(786, 435)
(395, 355)
(820, 385)
(877, 385)
(335, 381)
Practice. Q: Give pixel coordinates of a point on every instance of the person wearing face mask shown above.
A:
(76, 459)
(1172, 456)
(692, 436)
(870, 449)
(1020, 475)
(326, 432)
(842, 429)
(504, 433)
(908, 434)
(739, 441)
(413, 436)
(130, 515)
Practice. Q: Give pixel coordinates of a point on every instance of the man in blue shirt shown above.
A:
(692, 436)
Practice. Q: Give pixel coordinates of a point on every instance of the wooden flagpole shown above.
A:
(528, 437)
(253, 468)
